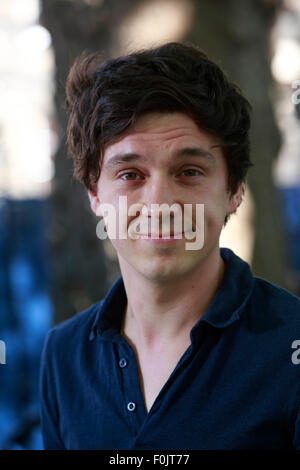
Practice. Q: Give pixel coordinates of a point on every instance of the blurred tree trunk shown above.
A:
(236, 35)
(82, 272)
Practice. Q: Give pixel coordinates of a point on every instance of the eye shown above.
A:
(131, 173)
(190, 171)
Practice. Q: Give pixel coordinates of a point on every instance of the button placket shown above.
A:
(131, 405)
(133, 400)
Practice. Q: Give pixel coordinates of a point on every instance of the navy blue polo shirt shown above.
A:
(237, 386)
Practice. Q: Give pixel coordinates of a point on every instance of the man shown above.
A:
(188, 350)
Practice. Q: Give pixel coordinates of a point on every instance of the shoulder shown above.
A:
(272, 296)
(74, 331)
(274, 309)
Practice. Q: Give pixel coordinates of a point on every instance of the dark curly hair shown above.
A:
(103, 99)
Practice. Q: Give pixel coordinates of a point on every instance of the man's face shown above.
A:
(164, 169)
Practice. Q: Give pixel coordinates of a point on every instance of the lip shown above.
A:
(169, 239)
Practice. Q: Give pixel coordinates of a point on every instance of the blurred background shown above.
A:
(52, 265)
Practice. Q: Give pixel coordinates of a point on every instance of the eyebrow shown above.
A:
(198, 152)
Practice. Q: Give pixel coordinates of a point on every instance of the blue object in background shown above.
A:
(290, 203)
(25, 317)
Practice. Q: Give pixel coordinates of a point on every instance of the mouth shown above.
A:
(161, 236)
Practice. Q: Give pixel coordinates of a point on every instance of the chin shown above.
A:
(163, 270)
(159, 276)
(162, 265)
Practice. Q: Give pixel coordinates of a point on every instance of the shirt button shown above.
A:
(123, 362)
(131, 406)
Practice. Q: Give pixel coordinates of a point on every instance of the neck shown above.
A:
(160, 312)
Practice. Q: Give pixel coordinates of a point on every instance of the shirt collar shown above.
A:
(226, 307)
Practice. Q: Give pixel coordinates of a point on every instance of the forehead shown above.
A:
(166, 130)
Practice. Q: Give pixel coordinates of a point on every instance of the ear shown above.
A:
(95, 202)
(236, 199)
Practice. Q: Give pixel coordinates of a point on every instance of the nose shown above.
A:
(160, 194)
(158, 191)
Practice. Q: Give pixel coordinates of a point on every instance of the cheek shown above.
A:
(215, 208)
